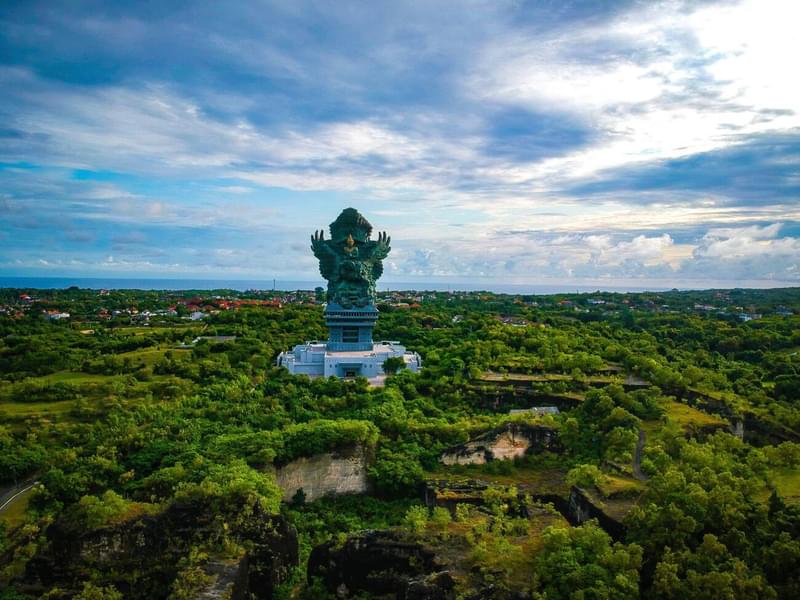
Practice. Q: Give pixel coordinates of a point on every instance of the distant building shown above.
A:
(316, 360)
(54, 315)
(535, 410)
(749, 317)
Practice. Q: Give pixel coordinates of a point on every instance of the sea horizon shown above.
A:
(189, 283)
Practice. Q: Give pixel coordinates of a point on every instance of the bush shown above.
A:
(94, 592)
(585, 476)
(396, 473)
(416, 518)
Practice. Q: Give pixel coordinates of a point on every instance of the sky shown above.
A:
(624, 143)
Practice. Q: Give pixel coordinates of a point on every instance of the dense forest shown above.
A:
(662, 455)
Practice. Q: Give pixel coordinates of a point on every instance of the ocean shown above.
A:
(287, 285)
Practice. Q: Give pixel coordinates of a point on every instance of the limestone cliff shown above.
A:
(381, 563)
(142, 557)
(504, 443)
(340, 472)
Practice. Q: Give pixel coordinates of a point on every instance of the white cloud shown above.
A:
(676, 82)
(732, 244)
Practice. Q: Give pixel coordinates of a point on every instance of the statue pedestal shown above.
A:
(350, 329)
(317, 359)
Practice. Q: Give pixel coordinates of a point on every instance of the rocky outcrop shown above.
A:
(504, 443)
(380, 563)
(146, 552)
(577, 508)
(449, 494)
(582, 508)
(753, 429)
(228, 580)
(341, 472)
(505, 395)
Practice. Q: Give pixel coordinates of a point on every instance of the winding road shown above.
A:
(10, 494)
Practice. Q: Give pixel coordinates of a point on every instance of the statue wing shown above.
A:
(328, 265)
(377, 270)
(328, 260)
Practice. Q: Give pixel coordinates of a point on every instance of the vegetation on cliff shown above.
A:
(680, 423)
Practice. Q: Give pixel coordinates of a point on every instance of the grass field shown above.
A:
(75, 377)
(787, 483)
(534, 480)
(616, 485)
(150, 356)
(545, 377)
(689, 417)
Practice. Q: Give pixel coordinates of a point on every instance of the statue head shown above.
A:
(350, 223)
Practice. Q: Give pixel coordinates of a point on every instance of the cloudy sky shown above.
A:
(639, 143)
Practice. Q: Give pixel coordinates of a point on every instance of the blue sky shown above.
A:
(644, 143)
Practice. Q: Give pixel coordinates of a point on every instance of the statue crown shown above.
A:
(350, 222)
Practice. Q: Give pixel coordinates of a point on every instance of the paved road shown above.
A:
(9, 494)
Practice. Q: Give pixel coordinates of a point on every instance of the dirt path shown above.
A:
(637, 457)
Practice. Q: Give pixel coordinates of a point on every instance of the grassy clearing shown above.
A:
(493, 377)
(692, 418)
(532, 480)
(74, 377)
(34, 409)
(138, 331)
(787, 483)
(617, 486)
(617, 507)
(475, 553)
(150, 356)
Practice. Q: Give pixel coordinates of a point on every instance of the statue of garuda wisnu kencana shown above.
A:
(350, 260)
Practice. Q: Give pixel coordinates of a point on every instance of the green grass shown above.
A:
(534, 480)
(616, 485)
(75, 377)
(147, 356)
(689, 417)
(135, 330)
(34, 409)
(545, 377)
(787, 483)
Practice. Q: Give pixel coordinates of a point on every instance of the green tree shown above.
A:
(393, 364)
(581, 562)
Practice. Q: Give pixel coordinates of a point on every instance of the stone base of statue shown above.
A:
(349, 351)
(316, 360)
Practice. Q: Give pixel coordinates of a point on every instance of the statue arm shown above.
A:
(381, 247)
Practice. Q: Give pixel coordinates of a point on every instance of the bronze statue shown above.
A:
(350, 260)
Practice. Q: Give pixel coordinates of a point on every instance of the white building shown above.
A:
(316, 360)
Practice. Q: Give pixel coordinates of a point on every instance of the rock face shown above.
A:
(581, 509)
(229, 580)
(343, 472)
(380, 563)
(577, 508)
(505, 443)
(145, 552)
(505, 395)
